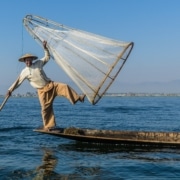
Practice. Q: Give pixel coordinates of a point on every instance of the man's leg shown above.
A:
(66, 91)
(46, 101)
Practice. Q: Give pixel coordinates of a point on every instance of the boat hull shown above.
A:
(135, 138)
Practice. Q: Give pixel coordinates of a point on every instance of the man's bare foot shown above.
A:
(48, 128)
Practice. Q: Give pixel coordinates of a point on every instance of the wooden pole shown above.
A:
(8, 95)
(3, 103)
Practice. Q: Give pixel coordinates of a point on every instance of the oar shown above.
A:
(8, 95)
(3, 103)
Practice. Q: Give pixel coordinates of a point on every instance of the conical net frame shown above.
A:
(91, 61)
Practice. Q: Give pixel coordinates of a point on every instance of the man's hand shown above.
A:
(44, 44)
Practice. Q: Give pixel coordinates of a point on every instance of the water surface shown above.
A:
(25, 154)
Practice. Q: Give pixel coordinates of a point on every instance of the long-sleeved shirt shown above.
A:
(34, 74)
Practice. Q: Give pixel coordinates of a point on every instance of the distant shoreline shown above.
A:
(28, 94)
(142, 94)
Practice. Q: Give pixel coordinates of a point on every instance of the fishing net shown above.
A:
(91, 61)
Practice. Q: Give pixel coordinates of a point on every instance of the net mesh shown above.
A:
(90, 60)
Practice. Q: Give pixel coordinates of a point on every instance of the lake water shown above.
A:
(25, 154)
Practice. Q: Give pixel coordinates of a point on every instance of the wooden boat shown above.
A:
(135, 138)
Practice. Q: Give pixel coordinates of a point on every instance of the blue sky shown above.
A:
(153, 26)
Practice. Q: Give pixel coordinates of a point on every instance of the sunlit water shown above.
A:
(25, 154)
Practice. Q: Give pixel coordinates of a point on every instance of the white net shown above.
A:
(90, 60)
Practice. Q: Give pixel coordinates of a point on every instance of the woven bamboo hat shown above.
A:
(21, 59)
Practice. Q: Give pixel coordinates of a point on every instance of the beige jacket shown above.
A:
(34, 74)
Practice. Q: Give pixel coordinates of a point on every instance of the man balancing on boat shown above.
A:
(46, 88)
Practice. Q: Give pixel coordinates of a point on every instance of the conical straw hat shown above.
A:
(21, 59)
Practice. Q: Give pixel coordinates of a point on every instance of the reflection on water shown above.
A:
(49, 162)
(118, 152)
(61, 162)
(48, 170)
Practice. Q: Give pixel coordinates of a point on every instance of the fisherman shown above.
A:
(46, 88)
